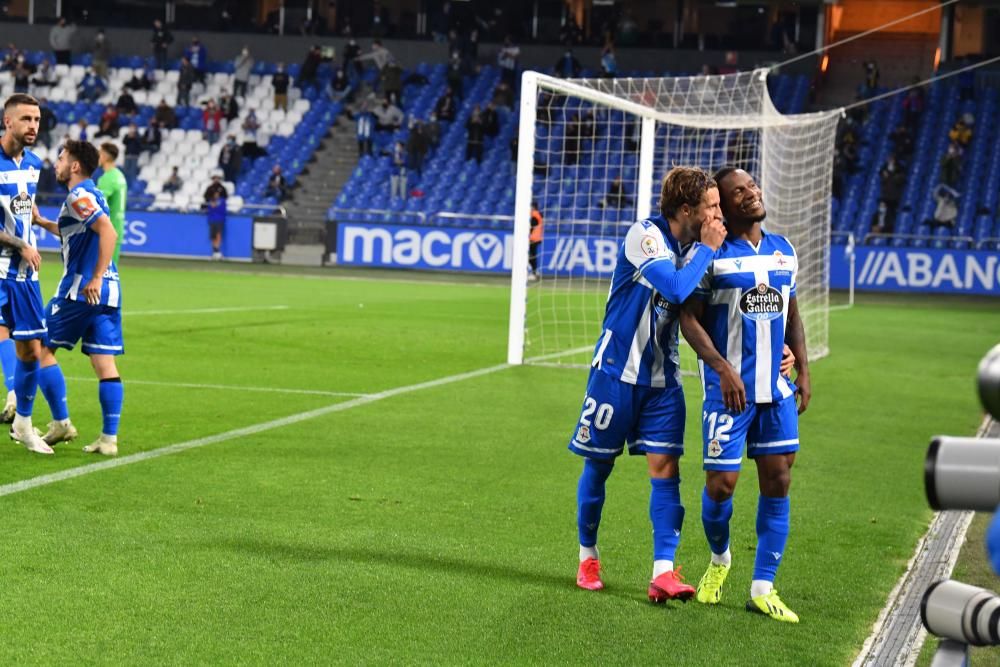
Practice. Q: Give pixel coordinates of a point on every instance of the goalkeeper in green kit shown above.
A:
(112, 184)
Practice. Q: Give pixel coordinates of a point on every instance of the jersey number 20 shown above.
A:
(603, 417)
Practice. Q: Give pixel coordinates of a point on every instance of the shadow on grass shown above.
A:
(412, 560)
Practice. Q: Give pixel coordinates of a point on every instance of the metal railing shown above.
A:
(982, 242)
(448, 215)
(353, 214)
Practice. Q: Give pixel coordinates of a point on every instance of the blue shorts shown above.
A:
(100, 327)
(22, 309)
(650, 420)
(765, 428)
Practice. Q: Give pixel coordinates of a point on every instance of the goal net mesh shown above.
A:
(601, 150)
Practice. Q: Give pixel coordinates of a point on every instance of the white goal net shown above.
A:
(592, 154)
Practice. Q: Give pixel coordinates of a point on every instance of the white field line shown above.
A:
(200, 311)
(44, 480)
(902, 587)
(231, 387)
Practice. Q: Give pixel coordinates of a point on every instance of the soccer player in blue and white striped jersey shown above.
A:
(738, 321)
(20, 296)
(634, 394)
(87, 303)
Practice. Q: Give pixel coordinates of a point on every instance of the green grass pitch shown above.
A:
(437, 526)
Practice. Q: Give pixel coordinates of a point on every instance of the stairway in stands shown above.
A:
(323, 177)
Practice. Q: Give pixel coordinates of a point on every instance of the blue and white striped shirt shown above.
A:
(18, 183)
(84, 205)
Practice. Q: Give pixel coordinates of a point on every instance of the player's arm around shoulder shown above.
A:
(644, 244)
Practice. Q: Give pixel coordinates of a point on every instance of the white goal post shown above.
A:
(592, 153)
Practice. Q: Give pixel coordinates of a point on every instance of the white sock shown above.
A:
(661, 566)
(109, 438)
(723, 558)
(588, 552)
(22, 424)
(760, 587)
(63, 422)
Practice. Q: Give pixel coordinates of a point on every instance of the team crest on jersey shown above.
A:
(583, 434)
(784, 264)
(714, 449)
(650, 248)
(21, 204)
(762, 303)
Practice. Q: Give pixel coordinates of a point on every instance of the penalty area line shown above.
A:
(202, 311)
(230, 387)
(80, 471)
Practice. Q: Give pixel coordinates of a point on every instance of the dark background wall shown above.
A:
(223, 46)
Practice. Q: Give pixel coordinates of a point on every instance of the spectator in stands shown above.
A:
(340, 87)
(22, 75)
(126, 104)
(230, 159)
(572, 140)
(535, 238)
(379, 56)
(229, 106)
(951, 165)
(242, 67)
(871, 78)
(567, 66)
(445, 107)
(432, 130)
(491, 121)
(197, 55)
(251, 125)
(133, 149)
(507, 60)
(152, 137)
(91, 87)
(961, 132)
(47, 185)
(454, 76)
(277, 186)
(61, 41)
(397, 178)
(215, 189)
(46, 123)
(310, 68)
(174, 182)
(616, 195)
(474, 140)
(161, 41)
(211, 122)
(417, 146)
(913, 106)
(352, 51)
(100, 54)
(45, 76)
(185, 80)
(165, 115)
(893, 181)
(388, 117)
(141, 80)
(81, 130)
(391, 81)
(365, 129)
(109, 125)
(215, 211)
(503, 96)
(609, 64)
(947, 206)
(902, 141)
(380, 20)
(280, 81)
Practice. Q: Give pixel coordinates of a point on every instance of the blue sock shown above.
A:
(53, 386)
(112, 395)
(25, 385)
(772, 534)
(667, 515)
(8, 359)
(590, 499)
(715, 517)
